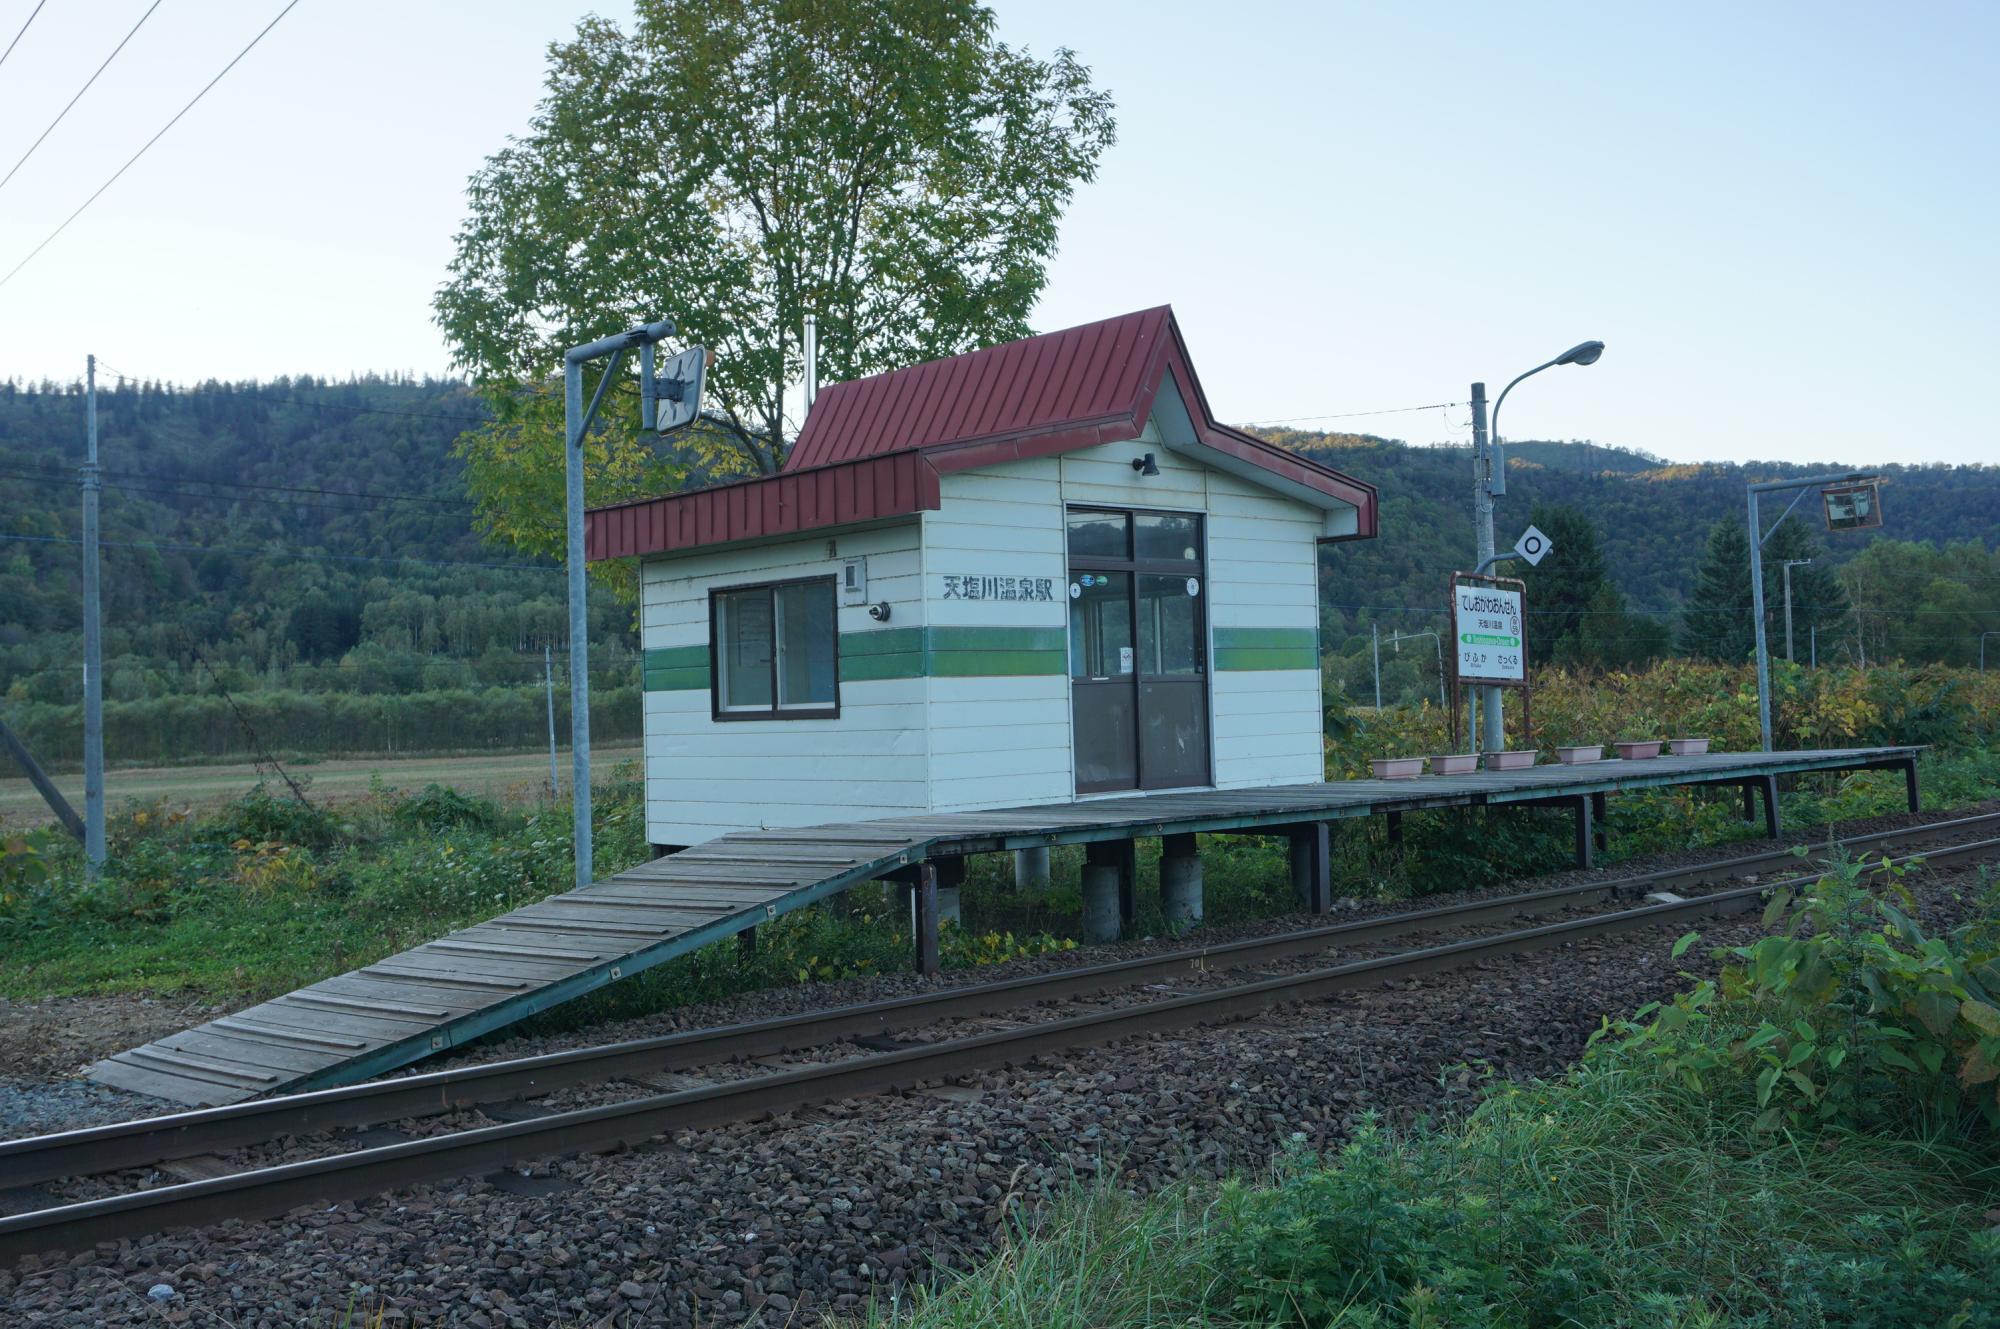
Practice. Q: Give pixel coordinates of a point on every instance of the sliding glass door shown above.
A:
(1138, 649)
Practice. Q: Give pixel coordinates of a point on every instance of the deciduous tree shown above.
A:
(887, 165)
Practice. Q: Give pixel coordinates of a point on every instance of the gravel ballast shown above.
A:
(775, 1222)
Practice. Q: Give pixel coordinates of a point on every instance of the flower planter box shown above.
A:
(1578, 756)
(1639, 751)
(1398, 768)
(1687, 747)
(1455, 763)
(1511, 761)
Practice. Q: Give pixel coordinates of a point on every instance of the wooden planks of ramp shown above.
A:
(467, 984)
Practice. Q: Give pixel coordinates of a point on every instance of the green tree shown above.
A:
(1569, 581)
(1716, 623)
(887, 165)
(1818, 601)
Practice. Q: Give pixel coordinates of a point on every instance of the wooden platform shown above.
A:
(469, 983)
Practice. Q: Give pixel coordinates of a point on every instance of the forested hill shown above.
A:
(315, 535)
(272, 527)
(1654, 516)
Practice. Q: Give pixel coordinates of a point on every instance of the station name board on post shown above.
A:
(1489, 634)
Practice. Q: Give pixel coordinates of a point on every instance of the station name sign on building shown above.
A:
(991, 587)
(1488, 634)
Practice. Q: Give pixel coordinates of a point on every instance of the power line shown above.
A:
(148, 144)
(79, 92)
(1351, 415)
(23, 32)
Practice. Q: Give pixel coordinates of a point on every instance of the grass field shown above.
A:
(508, 778)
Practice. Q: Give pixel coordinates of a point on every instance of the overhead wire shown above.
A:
(147, 146)
(23, 32)
(79, 92)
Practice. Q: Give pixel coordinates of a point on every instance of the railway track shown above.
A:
(268, 1191)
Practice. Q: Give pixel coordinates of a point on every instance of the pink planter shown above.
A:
(1510, 761)
(1639, 751)
(1456, 763)
(1687, 747)
(1578, 756)
(1398, 768)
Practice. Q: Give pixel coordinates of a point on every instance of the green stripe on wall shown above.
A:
(1266, 648)
(882, 653)
(981, 652)
(678, 657)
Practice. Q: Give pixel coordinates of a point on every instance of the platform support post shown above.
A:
(1395, 823)
(1180, 882)
(927, 920)
(1910, 784)
(1102, 887)
(746, 944)
(1585, 835)
(1128, 881)
(1312, 866)
(1599, 806)
(1770, 783)
(1031, 869)
(1749, 800)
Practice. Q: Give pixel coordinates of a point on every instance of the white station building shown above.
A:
(1034, 573)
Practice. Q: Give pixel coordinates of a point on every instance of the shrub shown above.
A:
(440, 808)
(261, 815)
(1849, 1016)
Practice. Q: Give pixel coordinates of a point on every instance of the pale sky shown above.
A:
(1780, 217)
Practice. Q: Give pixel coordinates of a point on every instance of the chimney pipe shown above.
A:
(812, 360)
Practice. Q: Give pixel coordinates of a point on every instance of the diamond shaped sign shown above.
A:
(1533, 545)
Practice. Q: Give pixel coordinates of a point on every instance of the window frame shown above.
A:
(775, 710)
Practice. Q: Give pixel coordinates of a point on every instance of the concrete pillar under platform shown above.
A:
(928, 957)
(1586, 835)
(1910, 784)
(1312, 866)
(1031, 869)
(1180, 881)
(1104, 887)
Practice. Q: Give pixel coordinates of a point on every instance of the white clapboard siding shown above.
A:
(706, 777)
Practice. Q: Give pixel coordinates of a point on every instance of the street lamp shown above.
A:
(1489, 477)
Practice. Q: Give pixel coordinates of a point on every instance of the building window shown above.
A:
(775, 651)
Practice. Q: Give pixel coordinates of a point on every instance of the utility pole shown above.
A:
(93, 643)
(549, 690)
(1482, 530)
(1375, 641)
(1790, 563)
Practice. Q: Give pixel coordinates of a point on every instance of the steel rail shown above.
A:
(266, 1192)
(148, 1141)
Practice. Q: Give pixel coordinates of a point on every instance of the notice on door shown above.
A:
(1489, 633)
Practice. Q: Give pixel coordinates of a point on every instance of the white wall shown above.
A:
(1000, 739)
(1263, 573)
(705, 778)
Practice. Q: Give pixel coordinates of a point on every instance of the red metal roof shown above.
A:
(1058, 382)
(774, 505)
(875, 447)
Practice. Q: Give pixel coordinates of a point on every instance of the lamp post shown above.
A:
(1789, 564)
(1489, 478)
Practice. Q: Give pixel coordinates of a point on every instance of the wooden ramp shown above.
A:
(465, 985)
